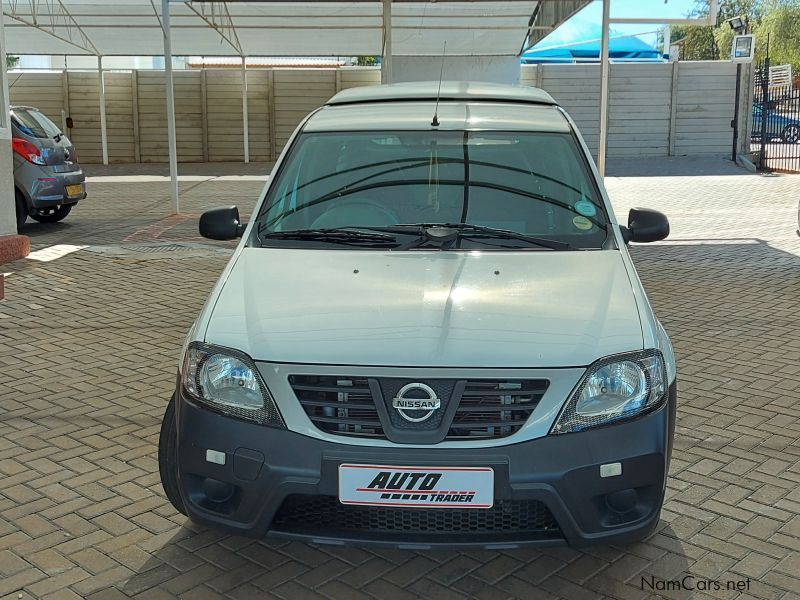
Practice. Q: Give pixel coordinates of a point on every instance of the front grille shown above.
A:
(487, 409)
(495, 408)
(338, 405)
(506, 521)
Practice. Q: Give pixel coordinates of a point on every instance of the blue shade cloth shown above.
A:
(618, 48)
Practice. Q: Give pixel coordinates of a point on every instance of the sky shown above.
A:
(585, 25)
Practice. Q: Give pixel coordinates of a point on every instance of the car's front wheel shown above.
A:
(168, 457)
(791, 134)
(52, 215)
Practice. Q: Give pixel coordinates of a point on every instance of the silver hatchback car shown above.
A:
(48, 181)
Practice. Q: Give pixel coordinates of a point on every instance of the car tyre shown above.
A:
(52, 215)
(168, 457)
(22, 209)
(791, 134)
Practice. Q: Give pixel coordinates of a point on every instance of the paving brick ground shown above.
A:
(88, 350)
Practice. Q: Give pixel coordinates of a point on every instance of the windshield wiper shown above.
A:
(446, 233)
(340, 235)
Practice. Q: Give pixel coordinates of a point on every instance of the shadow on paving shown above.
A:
(124, 211)
(74, 394)
(724, 302)
(674, 166)
(277, 568)
(184, 169)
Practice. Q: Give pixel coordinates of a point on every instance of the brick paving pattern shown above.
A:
(89, 346)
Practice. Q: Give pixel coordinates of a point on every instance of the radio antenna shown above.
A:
(435, 122)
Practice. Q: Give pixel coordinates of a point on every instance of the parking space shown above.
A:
(91, 343)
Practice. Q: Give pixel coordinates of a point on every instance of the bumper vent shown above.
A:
(487, 408)
(507, 521)
(338, 405)
(495, 408)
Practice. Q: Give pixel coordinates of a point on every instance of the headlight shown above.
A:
(228, 381)
(614, 389)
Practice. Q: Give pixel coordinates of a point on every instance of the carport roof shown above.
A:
(267, 28)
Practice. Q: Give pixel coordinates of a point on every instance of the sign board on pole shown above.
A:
(744, 48)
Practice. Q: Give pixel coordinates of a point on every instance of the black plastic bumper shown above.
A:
(265, 466)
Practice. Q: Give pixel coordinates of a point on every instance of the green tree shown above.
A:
(781, 25)
(775, 20)
(697, 43)
(11, 61)
(703, 42)
(367, 61)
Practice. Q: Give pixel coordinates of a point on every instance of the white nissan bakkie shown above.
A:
(431, 333)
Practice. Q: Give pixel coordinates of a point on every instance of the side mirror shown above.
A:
(70, 123)
(645, 225)
(221, 223)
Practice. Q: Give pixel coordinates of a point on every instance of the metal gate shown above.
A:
(776, 119)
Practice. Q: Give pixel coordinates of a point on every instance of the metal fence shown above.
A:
(776, 123)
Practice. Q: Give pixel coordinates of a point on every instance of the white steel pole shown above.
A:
(603, 141)
(101, 81)
(386, 59)
(171, 136)
(8, 216)
(5, 100)
(245, 115)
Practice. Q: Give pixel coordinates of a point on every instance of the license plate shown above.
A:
(428, 487)
(74, 190)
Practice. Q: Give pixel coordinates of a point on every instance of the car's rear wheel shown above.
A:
(22, 209)
(168, 457)
(52, 215)
(790, 134)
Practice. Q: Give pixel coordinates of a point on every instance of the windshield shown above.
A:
(34, 124)
(532, 183)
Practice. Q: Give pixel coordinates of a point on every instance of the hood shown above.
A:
(427, 309)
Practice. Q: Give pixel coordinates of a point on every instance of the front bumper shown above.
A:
(283, 483)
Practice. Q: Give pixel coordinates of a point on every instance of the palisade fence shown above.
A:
(655, 109)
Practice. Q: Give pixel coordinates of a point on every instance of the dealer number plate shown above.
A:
(74, 190)
(428, 487)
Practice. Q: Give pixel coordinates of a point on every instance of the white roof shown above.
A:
(478, 115)
(289, 28)
(450, 90)
(296, 62)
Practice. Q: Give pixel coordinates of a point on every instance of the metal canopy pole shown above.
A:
(5, 98)
(245, 115)
(8, 222)
(603, 141)
(172, 139)
(386, 59)
(103, 123)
